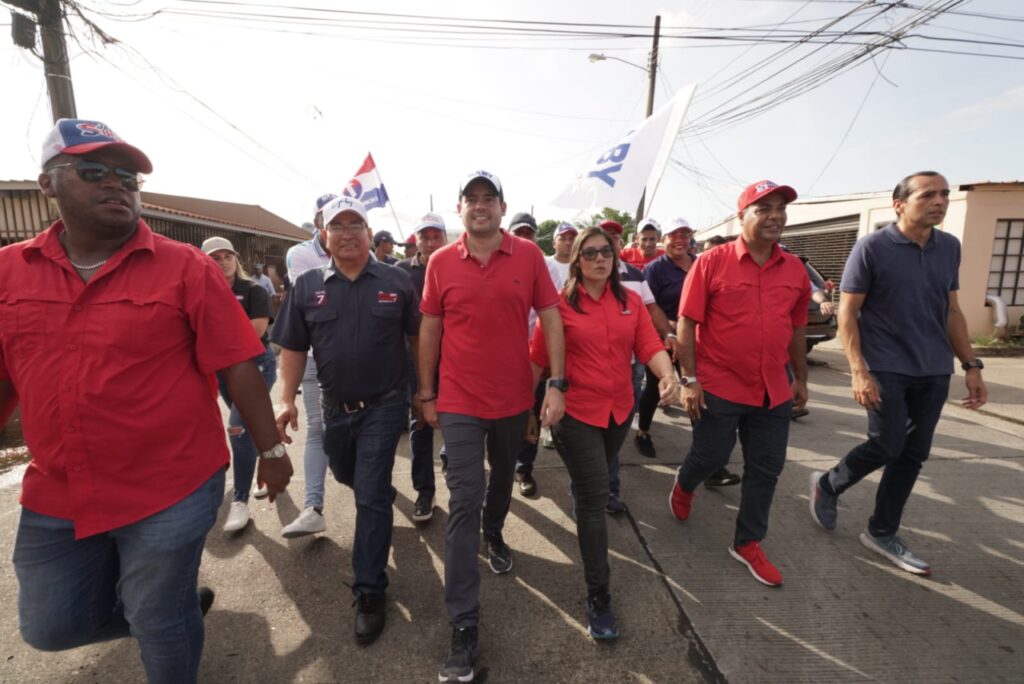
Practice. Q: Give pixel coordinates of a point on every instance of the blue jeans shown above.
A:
(139, 579)
(243, 449)
(360, 448)
(899, 439)
(314, 460)
(638, 381)
(763, 433)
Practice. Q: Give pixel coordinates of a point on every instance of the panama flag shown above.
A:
(367, 186)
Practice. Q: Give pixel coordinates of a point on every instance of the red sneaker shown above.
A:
(680, 502)
(751, 555)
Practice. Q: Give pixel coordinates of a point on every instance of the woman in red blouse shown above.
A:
(604, 325)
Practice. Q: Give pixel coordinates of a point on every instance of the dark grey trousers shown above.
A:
(470, 493)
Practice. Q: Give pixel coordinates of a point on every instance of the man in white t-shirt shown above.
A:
(558, 263)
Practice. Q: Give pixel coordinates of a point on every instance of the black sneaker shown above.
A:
(499, 556)
(601, 622)
(614, 505)
(423, 510)
(458, 666)
(645, 445)
(799, 413)
(722, 478)
(527, 485)
(370, 612)
(205, 599)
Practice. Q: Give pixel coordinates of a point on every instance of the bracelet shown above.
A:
(424, 400)
(671, 336)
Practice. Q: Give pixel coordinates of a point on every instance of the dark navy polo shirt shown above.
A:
(666, 282)
(906, 307)
(416, 271)
(357, 328)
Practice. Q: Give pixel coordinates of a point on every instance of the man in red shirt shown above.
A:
(110, 336)
(742, 353)
(648, 235)
(479, 290)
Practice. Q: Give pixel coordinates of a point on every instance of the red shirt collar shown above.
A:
(48, 243)
(506, 244)
(741, 250)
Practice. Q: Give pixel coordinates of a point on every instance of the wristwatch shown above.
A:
(976, 363)
(688, 380)
(277, 451)
(560, 384)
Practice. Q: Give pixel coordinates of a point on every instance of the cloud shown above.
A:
(979, 113)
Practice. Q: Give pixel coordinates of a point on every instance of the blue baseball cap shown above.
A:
(79, 136)
(564, 228)
(322, 201)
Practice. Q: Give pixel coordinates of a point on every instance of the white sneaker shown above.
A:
(261, 491)
(308, 522)
(636, 421)
(238, 516)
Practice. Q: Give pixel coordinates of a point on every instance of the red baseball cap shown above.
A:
(610, 226)
(763, 188)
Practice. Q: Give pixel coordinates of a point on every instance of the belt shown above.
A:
(357, 406)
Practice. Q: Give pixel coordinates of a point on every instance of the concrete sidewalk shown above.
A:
(688, 611)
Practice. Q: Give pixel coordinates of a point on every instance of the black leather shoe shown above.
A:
(645, 445)
(370, 611)
(722, 478)
(205, 599)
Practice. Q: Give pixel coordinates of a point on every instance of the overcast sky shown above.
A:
(275, 111)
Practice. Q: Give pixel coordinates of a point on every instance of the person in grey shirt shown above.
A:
(901, 324)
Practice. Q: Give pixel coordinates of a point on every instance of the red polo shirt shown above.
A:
(745, 317)
(634, 256)
(114, 375)
(485, 363)
(599, 344)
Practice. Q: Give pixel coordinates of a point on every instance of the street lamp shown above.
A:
(652, 67)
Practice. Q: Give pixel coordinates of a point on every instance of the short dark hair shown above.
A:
(902, 190)
(715, 240)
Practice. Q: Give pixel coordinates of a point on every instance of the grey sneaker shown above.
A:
(893, 548)
(614, 506)
(309, 521)
(458, 666)
(823, 505)
(499, 555)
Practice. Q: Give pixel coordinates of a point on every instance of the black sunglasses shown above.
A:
(590, 253)
(94, 172)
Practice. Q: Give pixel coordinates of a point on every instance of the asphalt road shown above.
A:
(688, 611)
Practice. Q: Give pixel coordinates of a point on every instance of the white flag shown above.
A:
(619, 175)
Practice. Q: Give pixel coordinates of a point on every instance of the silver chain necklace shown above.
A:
(93, 267)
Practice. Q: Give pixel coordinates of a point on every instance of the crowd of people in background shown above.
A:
(476, 347)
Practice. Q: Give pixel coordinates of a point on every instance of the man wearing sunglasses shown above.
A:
(109, 337)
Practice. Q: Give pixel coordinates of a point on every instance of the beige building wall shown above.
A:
(987, 204)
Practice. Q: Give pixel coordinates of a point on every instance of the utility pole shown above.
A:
(55, 60)
(652, 73)
(49, 16)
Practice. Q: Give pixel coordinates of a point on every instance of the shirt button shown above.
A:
(78, 307)
(77, 469)
(65, 388)
(72, 347)
(71, 428)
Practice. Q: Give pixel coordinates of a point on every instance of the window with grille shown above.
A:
(1006, 274)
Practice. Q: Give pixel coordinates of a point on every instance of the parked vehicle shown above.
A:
(820, 328)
